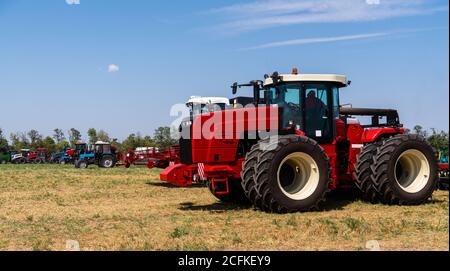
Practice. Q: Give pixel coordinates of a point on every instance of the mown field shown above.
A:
(41, 207)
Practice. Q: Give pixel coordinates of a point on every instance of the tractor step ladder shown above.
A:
(220, 186)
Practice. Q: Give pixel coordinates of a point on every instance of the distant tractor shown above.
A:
(443, 171)
(71, 155)
(20, 157)
(39, 156)
(102, 154)
(57, 156)
(5, 156)
(298, 143)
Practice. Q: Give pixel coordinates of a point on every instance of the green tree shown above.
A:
(439, 140)
(92, 134)
(61, 145)
(74, 136)
(418, 130)
(164, 137)
(3, 142)
(58, 135)
(134, 141)
(19, 141)
(49, 144)
(103, 136)
(35, 138)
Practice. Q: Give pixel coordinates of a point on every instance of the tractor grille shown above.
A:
(186, 144)
(186, 151)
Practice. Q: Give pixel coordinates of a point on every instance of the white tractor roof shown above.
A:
(340, 79)
(208, 100)
(101, 143)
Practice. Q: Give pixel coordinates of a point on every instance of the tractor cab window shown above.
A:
(336, 103)
(317, 113)
(106, 149)
(287, 97)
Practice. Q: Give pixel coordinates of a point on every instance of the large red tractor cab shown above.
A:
(296, 143)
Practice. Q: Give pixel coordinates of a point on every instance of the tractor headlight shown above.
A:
(186, 123)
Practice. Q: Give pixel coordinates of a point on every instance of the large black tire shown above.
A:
(81, 164)
(405, 170)
(236, 192)
(281, 186)
(2, 162)
(107, 162)
(248, 171)
(364, 172)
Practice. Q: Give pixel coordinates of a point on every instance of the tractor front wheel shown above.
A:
(81, 164)
(405, 170)
(292, 174)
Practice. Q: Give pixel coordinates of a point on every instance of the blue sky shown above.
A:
(120, 65)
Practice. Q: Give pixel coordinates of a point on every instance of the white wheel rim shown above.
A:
(108, 163)
(305, 179)
(412, 171)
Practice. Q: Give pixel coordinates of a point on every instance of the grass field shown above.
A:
(41, 207)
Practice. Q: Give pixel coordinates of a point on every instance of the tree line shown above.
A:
(59, 139)
(161, 138)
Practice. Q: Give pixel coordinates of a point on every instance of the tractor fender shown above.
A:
(372, 135)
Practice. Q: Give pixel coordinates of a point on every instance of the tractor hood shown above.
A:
(215, 136)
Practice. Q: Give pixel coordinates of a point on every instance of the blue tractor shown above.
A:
(101, 154)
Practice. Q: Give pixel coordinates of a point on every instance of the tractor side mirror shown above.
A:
(234, 88)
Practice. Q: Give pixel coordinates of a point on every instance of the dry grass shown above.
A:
(41, 207)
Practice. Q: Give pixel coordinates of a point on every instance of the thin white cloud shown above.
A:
(271, 13)
(113, 68)
(305, 41)
(316, 40)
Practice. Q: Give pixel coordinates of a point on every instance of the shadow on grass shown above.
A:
(217, 207)
(169, 185)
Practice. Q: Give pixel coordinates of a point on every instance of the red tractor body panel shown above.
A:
(219, 144)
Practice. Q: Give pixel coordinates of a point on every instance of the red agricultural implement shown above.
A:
(297, 143)
(152, 157)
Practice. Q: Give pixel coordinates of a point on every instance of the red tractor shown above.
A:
(39, 156)
(297, 143)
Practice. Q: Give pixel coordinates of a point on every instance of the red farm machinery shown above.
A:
(153, 157)
(296, 143)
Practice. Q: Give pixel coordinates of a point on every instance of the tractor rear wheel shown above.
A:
(292, 174)
(107, 162)
(2, 161)
(364, 172)
(405, 170)
(248, 171)
(236, 193)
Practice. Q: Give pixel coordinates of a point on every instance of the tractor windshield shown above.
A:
(309, 107)
(287, 97)
(198, 108)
